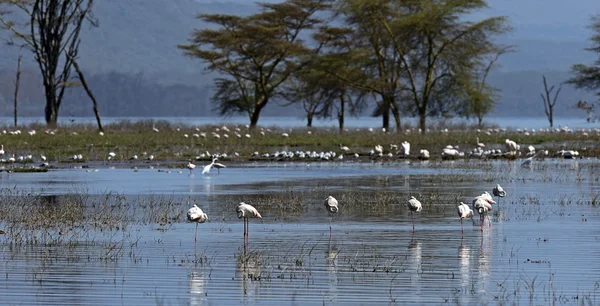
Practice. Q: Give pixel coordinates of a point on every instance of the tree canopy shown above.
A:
(588, 77)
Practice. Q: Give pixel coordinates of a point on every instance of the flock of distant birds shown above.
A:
(402, 151)
(482, 204)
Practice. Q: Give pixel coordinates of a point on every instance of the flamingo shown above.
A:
(344, 148)
(423, 154)
(154, 128)
(331, 204)
(499, 192)
(415, 206)
(195, 214)
(218, 166)
(246, 211)
(464, 211)
(1, 150)
(191, 166)
(482, 204)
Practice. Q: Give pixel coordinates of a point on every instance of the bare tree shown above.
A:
(52, 35)
(17, 81)
(549, 102)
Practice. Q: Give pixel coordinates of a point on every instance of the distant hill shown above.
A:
(136, 42)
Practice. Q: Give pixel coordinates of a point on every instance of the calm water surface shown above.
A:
(542, 246)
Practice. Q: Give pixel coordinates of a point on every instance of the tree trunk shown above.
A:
(386, 119)
(550, 116)
(51, 111)
(256, 114)
(423, 120)
(90, 94)
(309, 119)
(480, 121)
(18, 79)
(342, 113)
(396, 115)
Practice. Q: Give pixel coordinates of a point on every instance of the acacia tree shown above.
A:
(588, 77)
(479, 95)
(51, 33)
(255, 54)
(434, 44)
(363, 57)
(307, 87)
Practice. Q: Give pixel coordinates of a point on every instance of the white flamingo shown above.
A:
(331, 204)
(415, 206)
(480, 144)
(423, 154)
(344, 148)
(499, 192)
(464, 211)
(246, 211)
(1, 150)
(190, 166)
(195, 214)
(482, 204)
(154, 128)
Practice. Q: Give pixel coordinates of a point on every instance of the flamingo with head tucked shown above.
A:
(414, 206)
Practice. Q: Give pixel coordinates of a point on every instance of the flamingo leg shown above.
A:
(481, 220)
(461, 228)
(330, 220)
(489, 220)
(412, 218)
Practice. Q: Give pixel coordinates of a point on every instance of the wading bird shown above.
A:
(191, 166)
(464, 211)
(527, 162)
(207, 168)
(246, 211)
(499, 192)
(218, 166)
(482, 204)
(195, 214)
(331, 204)
(415, 206)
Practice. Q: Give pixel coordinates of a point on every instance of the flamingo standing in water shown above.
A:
(207, 168)
(195, 214)
(498, 192)
(464, 211)
(190, 166)
(482, 204)
(331, 204)
(415, 206)
(246, 211)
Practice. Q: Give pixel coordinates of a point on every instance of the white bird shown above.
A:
(415, 206)
(1, 150)
(527, 162)
(191, 166)
(43, 157)
(480, 144)
(246, 211)
(423, 154)
(482, 204)
(331, 204)
(499, 192)
(405, 148)
(207, 168)
(344, 148)
(511, 146)
(195, 214)
(464, 211)
(154, 128)
(379, 149)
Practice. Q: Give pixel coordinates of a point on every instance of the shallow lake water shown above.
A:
(541, 248)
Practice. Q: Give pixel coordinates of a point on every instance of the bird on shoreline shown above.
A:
(190, 166)
(414, 206)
